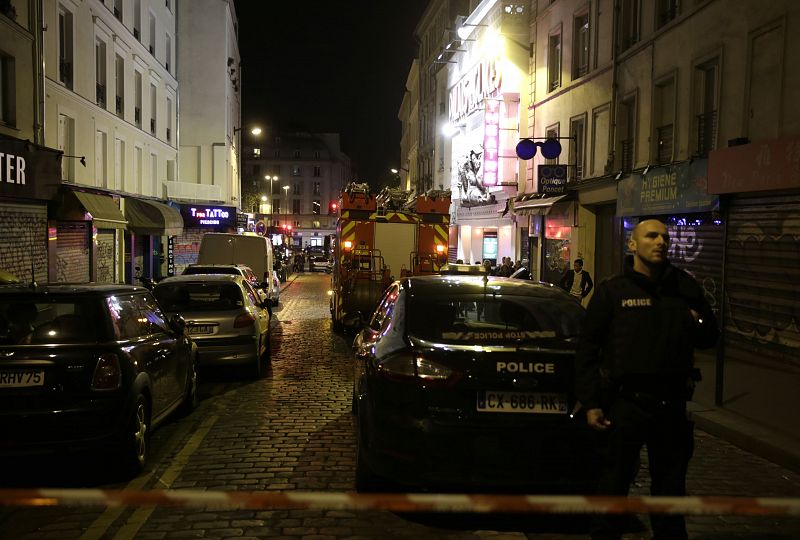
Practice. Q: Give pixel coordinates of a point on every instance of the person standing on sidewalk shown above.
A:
(634, 374)
(577, 281)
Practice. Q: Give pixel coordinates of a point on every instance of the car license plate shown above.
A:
(201, 329)
(21, 378)
(522, 402)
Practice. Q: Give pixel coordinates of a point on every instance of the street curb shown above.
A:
(751, 436)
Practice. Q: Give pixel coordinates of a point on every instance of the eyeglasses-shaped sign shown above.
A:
(550, 148)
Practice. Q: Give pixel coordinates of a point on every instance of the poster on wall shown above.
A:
(490, 249)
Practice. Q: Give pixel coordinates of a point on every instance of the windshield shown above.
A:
(199, 296)
(194, 270)
(44, 322)
(479, 318)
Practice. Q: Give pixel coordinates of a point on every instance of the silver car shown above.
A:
(224, 316)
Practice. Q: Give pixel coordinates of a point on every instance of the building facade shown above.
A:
(409, 131)
(290, 185)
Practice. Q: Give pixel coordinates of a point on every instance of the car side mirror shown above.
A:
(353, 321)
(177, 323)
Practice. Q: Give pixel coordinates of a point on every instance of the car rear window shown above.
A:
(199, 296)
(48, 321)
(194, 270)
(480, 319)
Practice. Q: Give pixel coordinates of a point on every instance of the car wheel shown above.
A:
(136, 437)
(190, 398)
(255, 367)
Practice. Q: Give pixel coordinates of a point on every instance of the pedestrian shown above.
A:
(634, 374)
(504, 270)
(577, 281)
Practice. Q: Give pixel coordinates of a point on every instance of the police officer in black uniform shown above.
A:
(634, 369)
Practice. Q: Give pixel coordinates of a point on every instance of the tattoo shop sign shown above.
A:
(673, 189)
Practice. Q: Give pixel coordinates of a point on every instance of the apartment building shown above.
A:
(409, 130)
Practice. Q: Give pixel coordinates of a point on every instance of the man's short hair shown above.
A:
(579, 261)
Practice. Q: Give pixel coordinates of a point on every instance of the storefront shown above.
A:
(548, 224)
(29, 177)
(198, 219)
(150, 225)
(760, 352)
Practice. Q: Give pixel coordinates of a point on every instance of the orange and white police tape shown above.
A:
(402, 502)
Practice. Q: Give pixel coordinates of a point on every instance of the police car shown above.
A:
(465, 381)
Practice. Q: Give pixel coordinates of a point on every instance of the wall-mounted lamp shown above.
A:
(644, 172)
(82, 158)
(619, 175)
(255, 130)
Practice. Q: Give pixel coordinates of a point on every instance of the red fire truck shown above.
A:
(382, 237)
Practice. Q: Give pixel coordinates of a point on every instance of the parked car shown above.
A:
(265, 292)
(90, 366)
(465, 382)
(224, 315)
(318, 260)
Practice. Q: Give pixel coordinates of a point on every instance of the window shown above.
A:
(317, 188)
(663, 119)
(119, 102)
(629, 23)
(100, 72)
(154, 174)
(627, 132)
(316, 154)
(666, 10)
(256, 152)
(137, 108)
(169, 120)
(118, 9)
(551, 133)
(316, 206)
(317, 171)
(296, 170)
(65, 47)
(138, 164)
(168, 53)
(295, 206)
(580, 46)
(153, 108)
(277, 153)
(296, 153)
(554, 62)
(577, 130)
(66, 143)
(101, 159)
(276, 208)
(169, 4)
(7, 90)
(137, 19)
(119, 164)
(706, 83)
(276, 188)
(297, 189)
(152, 46)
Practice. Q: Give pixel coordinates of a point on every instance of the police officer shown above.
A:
(634, 374)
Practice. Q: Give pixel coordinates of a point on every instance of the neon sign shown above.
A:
(491, 141)
(209, 216)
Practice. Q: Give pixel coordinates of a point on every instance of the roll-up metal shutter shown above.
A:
(697, 247)
(186, 248)
(762, 281)
(73, 253)
(23, 240)
(105, 256)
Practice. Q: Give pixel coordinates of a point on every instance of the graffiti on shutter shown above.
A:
(72, 264)
(187, 248)
(105, 256)
(23, 241)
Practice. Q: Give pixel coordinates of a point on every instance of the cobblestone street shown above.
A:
(292, 430)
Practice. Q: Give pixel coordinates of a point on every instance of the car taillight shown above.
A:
(244, 320)
(107, 373)
(407, 366)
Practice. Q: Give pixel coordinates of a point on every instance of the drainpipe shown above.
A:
(612, 129)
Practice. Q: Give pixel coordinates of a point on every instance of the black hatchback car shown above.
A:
(466, 382)
(89, 366)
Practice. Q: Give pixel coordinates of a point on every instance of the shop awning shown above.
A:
(535, 207)
(104, 211)
(151, 217)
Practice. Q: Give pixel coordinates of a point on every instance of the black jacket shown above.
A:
(637, 328)
(569, 278)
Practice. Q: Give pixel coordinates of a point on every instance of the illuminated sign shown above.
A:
(491, 141)
(208, 216)
(482, 81)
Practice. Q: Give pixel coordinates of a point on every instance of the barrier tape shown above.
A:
(398, 502)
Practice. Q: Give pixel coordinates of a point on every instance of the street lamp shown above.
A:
(255, 130)
(271, 178)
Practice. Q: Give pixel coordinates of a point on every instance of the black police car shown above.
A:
(466, 382)
(89, 366)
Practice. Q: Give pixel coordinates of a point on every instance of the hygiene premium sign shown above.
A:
(673, 189)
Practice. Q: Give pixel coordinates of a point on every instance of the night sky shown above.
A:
(330, 66)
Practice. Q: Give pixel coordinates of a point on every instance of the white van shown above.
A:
(252, 250)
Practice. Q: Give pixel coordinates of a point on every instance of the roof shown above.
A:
(201, 277)
(474, 284)
(71, 288)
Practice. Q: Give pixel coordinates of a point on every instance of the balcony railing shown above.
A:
(118, 105)
(627, 155)
(664, 134)
(65, 72)
(100, 94)
(706, 132)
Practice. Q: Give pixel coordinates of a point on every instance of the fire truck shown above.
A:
(382, 237)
